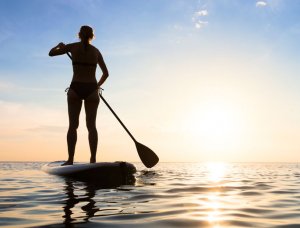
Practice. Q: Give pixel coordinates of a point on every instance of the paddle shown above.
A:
(147, 156)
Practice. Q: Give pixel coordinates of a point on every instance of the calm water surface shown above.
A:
(212, 195)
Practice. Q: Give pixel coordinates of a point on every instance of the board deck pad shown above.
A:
(103, 173)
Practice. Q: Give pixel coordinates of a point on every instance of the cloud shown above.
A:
(200, 24)
(202, 13)
(22, 120)
(48, 129)
(177, 27)
(6, 86)
(261, 4)
(198, 17)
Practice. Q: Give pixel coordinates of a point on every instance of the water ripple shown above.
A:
(172, 195)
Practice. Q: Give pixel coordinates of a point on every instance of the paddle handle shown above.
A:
(113, 112)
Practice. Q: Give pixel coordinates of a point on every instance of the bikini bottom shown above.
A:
(83, 89)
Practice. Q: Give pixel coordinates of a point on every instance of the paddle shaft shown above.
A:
(69, 55)
(113, 112)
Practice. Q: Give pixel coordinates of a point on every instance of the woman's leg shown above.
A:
(91, 106)
(74, 107)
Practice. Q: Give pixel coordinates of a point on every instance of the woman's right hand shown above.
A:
(60, 45)
(58, 50)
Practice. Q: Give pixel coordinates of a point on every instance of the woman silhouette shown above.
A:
(84, 86)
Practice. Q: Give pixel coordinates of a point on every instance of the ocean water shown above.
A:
(212, 195)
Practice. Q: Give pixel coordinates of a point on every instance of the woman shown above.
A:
(84, 86)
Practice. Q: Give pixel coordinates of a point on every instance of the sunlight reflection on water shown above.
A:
(216, 171)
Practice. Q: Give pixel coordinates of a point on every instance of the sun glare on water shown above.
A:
(216, 171)
(215, 175)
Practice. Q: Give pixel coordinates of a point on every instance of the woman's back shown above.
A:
(85, 59)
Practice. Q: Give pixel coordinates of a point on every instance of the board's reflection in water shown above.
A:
(85, 195)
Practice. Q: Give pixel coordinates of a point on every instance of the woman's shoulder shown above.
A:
(96, 49)
(79, 44)
(73, 44)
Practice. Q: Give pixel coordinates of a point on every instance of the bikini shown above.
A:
(83, 89)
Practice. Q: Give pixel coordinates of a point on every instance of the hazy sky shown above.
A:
(193, 80)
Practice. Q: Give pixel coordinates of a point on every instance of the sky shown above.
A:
(193, 80)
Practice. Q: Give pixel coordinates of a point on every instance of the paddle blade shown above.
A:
(147, 156)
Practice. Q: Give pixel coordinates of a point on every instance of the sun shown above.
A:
(215, 126)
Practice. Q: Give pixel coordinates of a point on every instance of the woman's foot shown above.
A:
(93, 160)
(67, 163)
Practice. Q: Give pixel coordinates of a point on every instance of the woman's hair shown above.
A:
(86, 34)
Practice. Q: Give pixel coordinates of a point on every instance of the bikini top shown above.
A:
(84, 64)
(81, 63)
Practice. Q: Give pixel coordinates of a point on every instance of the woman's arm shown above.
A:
(59, 49)
(103, 67)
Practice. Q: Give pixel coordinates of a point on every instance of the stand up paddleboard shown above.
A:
(103, 173)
